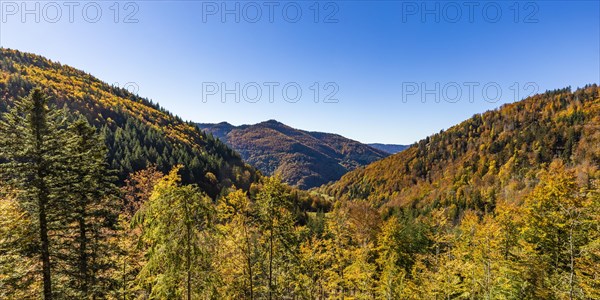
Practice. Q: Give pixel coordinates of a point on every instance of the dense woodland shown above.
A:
(505, 205)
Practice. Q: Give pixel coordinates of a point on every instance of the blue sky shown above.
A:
(381, 60)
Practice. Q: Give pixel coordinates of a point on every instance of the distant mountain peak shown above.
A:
(302, 158)
(272, 121)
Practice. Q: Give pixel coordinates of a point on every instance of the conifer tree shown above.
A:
(33, 159)
(91, 209)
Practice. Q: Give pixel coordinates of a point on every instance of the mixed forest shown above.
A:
(105, 195)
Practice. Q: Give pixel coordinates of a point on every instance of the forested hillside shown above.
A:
(137, 131)
(301, 158)
(494, 155)
(70, 228)
(505, 205)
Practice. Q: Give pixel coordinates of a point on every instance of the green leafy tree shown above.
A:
(131, 256)
(240, 252)
(275, 211)
(392, 278)
(17, 281)
(176, 226)
(589, 260)
(338, 246)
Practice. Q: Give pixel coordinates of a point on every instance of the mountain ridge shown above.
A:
(485, 158)
(137, 131)
(302, 158)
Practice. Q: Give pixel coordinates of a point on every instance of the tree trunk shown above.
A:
(83, 260)
(124, 279)
(45, 251)
(249, 261)
(571, 253)
(42, 195)
(271, 250)
(271, 264)
(188, 254)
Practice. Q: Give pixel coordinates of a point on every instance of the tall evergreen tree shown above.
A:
(91, 209)
(33, 159)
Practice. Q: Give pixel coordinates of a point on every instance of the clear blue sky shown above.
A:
(371, 50)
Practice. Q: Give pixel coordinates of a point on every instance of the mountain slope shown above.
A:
(389, 148)
(138, 132)
(494, 155)
(304, 159)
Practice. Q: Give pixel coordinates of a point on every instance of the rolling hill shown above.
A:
(138, 132)
(490, 157)
(303, 159)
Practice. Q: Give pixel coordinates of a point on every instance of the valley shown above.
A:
(105, 194)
